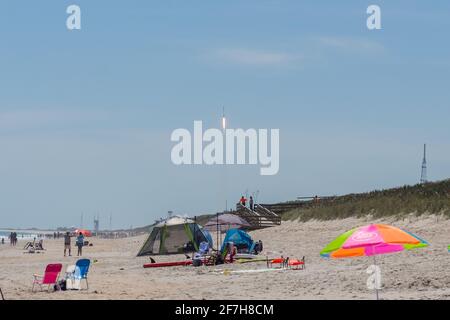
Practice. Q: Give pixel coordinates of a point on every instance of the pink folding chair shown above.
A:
(50, 277)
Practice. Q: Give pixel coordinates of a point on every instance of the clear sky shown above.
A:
(86, 115)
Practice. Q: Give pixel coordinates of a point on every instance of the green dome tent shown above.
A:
(175, 235)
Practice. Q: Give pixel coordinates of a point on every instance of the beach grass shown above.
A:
(429, 198)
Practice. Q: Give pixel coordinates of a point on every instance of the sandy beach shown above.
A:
(118, 274)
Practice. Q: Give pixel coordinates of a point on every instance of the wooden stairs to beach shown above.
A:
(259, 218)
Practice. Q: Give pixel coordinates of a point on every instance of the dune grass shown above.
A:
(430, 198)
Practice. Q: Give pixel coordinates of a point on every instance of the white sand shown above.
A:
(419, 274)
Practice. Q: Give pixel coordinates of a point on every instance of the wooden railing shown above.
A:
(258, 218)
(303, 203)
(264, 211)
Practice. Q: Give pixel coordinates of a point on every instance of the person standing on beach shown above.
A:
(13, 239)
(80, 244)
(67, 244)
(251, 203)
(243, 201)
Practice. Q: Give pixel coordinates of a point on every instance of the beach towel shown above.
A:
(73, 283)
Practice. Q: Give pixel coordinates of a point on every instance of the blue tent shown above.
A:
(240, 239)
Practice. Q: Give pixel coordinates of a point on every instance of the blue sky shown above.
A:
(86, 116)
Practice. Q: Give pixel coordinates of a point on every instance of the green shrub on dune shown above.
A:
(430, 198)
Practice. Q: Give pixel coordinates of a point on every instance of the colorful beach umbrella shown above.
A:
(225, 222)
(84, 232)
(372, 240)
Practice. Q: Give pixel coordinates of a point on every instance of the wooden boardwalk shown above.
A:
(258, 218)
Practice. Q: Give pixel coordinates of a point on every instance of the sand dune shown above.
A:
(118, 274)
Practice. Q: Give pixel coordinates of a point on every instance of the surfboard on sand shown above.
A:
(246, 256)
(260, 259)
(168, 264)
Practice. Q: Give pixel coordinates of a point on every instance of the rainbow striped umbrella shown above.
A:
(372, 240)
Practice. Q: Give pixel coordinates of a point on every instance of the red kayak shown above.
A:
(168, 264)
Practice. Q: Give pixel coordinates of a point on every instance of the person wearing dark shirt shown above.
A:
(67, 244)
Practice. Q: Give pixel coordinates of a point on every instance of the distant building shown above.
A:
(96, 225)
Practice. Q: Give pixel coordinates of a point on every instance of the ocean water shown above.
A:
(25, 235)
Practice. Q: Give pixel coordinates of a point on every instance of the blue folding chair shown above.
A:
(204, 248)
(82, 270)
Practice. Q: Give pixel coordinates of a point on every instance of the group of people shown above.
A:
(13, 239)
(243, 202)
(79, 242)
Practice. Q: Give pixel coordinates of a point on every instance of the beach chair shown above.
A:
(39, 246)
(282, 262)
(82, 270)
(202, 256)
(218, 257)
(296, 264)
(204, 248)
(32, 247)
(49, 278)
(28, 245)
